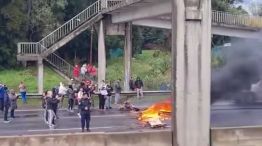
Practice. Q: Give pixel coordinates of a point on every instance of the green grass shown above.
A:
(13, 77)
(153, 67)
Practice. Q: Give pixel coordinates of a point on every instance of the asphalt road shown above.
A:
(31, 122)
(223, 114)
(229, 114)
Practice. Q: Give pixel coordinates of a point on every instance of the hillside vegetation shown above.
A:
(13, 77)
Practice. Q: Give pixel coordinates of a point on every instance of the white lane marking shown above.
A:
(68, 129)
(97, 116)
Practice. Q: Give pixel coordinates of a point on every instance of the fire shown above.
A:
(158, 111)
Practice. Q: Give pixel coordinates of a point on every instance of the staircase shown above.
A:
(45, 48)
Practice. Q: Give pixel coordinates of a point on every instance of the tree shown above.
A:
(256, 8)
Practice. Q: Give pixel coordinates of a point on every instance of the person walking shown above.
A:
(118, 90)
(52, 103)
(13, 102)
(139, 87)
(22, 89)
(44, 106)
(6, 104)
(71, 98)
(103, 93)
(109, 89)
(84, 107)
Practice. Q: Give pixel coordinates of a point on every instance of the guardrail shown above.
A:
(125, 93)
(236, 19)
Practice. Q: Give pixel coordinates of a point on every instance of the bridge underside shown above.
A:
(152, 13)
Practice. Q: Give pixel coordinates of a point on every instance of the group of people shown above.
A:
(137, 86)
(80, 95)
(85, 69)
(8, 100)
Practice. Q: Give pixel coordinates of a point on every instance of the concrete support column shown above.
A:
(40, 75)
(191, 69)
(101, 53)
(128, 54)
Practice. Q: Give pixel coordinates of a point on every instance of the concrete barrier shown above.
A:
(155, 138)
(237, 136)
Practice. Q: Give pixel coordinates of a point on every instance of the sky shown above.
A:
(246, 4)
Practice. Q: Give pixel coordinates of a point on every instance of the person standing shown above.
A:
(83, 71)
(22, 89)
(102, 95)
(79, 97)
(131, 84)
(54, 97)
(84, 107)
(71, 98)
(62, 92)
(118, 90)
(139, 87)
(2, 91)
(109, 89)
(6, 104)
(13, 102)
(76, 71)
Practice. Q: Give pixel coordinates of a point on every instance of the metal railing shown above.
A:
(28, 48)
(67, 27)
(63, 66)
(113, 3)
(236, 19)
(71, 25)
(60, 64)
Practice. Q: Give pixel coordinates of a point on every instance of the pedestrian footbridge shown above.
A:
(115, 15)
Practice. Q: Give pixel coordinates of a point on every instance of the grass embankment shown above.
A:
(13, 77)
(153, 67)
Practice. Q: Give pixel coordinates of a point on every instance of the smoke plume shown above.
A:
(242, 68)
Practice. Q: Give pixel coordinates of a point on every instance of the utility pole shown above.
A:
(191, 71)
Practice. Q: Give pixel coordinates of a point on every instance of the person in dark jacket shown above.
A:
(13, 102)
(84, 107)
(6, 104)
(2, 91)
(109, 89)
(71, 98)
(55, 96)
(131, 84)
(139, 87)
(52, 103)
(44, 106)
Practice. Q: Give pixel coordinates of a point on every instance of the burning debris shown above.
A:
(156, 114)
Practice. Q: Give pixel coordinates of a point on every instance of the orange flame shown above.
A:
(161, 110)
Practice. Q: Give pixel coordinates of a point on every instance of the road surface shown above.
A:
(224, 114)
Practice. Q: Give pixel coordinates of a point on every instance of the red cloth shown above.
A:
(76, 71)
(91, 70)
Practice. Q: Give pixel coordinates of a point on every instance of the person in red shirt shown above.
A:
(91, 70)
(76, 71)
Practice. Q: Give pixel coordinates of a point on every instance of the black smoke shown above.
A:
(242, 68)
